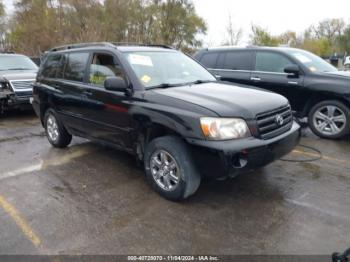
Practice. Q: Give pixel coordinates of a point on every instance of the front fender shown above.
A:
(182, 122)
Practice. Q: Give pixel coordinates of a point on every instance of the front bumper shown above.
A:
(227, 158)
(20, 101)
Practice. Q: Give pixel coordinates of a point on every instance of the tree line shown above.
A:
(326, 38)
(38, 25)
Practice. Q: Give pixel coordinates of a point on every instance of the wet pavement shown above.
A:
(90, 199)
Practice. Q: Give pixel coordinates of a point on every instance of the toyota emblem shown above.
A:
(279, 120)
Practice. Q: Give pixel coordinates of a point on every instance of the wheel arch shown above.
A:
(149, 132)
(317, 98)
(43, 108)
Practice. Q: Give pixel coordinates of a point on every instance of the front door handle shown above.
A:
(255, 78)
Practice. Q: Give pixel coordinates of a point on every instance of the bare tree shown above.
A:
(234, 35)
(328, 28)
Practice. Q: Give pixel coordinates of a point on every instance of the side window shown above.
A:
(209, 60)
(75, 66)
(103, 66)
(52, 65)
(271, 62)
(238, 60)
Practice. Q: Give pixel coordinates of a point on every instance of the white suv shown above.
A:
(347, 62)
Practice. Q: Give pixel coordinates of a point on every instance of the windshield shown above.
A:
(313, 62)
(166, 68)
(8, 63)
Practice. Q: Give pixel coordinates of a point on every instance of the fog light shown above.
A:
(240, 160)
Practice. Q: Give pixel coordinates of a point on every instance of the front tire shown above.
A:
(330, 119)
(170, 169)
(55, 131)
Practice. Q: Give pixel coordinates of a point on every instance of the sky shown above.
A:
(8, 4)
(275, 15)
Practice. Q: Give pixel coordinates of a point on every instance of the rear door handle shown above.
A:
(255, 78)
(87, 92)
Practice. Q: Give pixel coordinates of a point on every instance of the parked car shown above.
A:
(163, 107)
(347, 62)
(314, 88)
(17, 75)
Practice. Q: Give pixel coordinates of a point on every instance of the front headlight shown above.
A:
(224, 128)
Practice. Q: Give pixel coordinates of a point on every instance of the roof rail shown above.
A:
(140, 44)
(254, 46)
(81, 45)
(232, 47)
(104, 44)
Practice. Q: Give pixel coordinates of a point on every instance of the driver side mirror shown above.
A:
(115, 84)
(292, 70)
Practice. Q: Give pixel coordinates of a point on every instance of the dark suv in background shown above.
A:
(163, 107)
(314, 88)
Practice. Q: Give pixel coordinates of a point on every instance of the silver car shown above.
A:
(17, 75)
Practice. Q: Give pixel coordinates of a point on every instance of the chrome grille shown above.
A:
(22, 84)
(270, 127)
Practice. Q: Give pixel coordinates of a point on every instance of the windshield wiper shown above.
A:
(19, 68)
(164, 85)
(167, 85)
(199, 81)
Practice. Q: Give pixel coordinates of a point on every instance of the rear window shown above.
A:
(75, 66)
(238, 60)
(52, 65)
(209, 60)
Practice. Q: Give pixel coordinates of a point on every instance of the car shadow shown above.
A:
(17, 114)
(245, 186)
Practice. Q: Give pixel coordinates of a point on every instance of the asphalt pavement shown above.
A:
(90, 199)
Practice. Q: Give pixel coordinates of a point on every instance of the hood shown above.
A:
(227, 100)
(19, 74)
(345, 74)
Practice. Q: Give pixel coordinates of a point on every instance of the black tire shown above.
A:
(63, 138)
(328, 135)
(189, 177)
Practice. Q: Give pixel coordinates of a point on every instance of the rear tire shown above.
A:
(330, 119)
(170, 169)
(55, 131)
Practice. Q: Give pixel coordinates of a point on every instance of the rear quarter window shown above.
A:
(52, 66)
(209, 60)
(75, 66)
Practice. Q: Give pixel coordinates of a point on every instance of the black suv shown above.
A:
(163, 107)
(314, 88)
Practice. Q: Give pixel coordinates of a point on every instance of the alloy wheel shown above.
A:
(329, 120)
(165, 170)
(52, 128)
